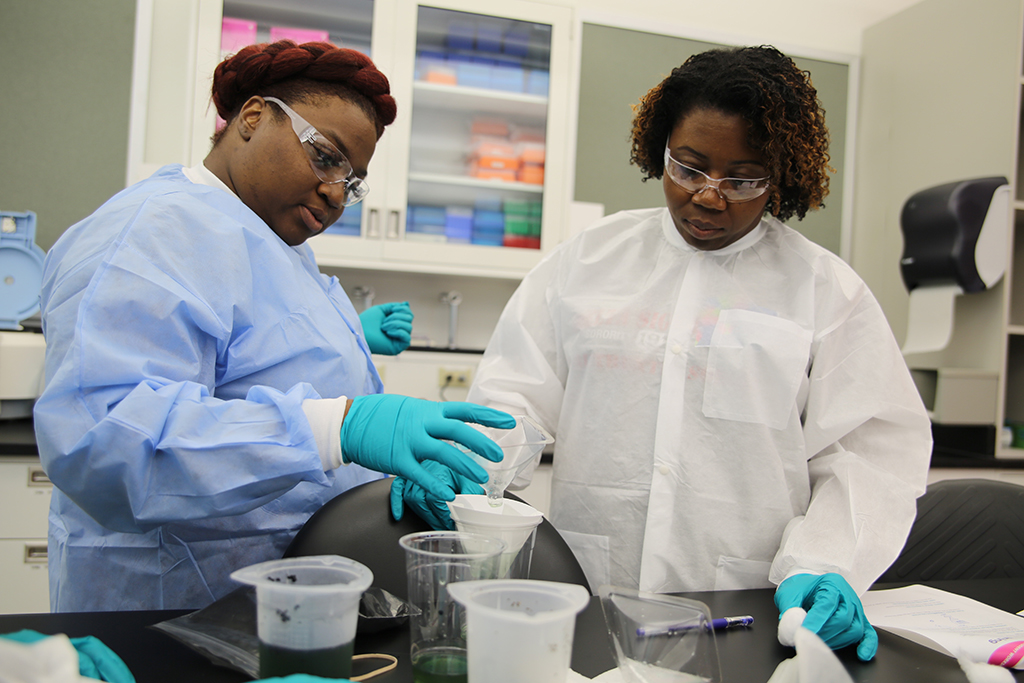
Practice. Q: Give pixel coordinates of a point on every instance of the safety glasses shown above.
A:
(733, 190)
(327, 161)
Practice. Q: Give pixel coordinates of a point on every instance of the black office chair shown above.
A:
(965, 529)
(358, 525)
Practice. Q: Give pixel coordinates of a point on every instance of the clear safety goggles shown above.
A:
(733, 190)
(328, 162)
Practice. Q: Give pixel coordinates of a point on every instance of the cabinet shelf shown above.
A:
(437, 189)
(479, 100)
(476, 183)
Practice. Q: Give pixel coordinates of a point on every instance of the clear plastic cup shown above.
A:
(307, 609)
(520, 630)
(434, 561)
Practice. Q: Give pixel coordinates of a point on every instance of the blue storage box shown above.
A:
(427, 215)
(460, 35)
(516, 41)
(538, 82)
(507, 78)
(483, 220)
(488, 37)
(472, 75)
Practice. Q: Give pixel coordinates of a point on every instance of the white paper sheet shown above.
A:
(930, 318)
(949, 623)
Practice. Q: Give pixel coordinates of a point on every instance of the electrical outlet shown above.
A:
(454, 377)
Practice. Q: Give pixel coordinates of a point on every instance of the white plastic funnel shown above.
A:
(519, 630)
(513, 522)
(521, 445)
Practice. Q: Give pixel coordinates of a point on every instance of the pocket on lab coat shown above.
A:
(735, 573)
(755, 365)
(591, 551)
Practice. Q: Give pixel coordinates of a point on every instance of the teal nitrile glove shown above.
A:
(95, 660)
(428, 508)
(393, 434)
(388, 328)
(834, 611)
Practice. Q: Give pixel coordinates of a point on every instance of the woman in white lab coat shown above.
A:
(729, 405)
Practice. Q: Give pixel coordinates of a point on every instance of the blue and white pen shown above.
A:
(714, 625)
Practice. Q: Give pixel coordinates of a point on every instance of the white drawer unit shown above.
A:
(24, 504)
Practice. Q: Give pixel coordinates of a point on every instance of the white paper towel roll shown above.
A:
(930, 318)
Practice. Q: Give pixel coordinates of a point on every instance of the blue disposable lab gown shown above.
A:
(182, 337)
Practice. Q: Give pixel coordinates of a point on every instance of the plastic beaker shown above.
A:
(434, 561)
(521, 445)
(307, 609)
(660, 638)
(513, 522)
(520, 630)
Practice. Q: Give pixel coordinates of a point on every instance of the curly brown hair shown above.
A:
(776, 98)
(302, 73)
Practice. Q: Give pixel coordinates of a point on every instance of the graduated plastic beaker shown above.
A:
(513, 522)
(435, 560)
(520, 630)
(521, 445)
(307, 609)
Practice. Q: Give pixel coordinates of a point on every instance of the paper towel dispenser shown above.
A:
(956, 234)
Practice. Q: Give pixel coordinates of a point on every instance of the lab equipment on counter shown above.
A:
(435, 560)
(519, 630)
(685, 652)
(513, 522)
(521, 446)
(307, 609)
(22, 350)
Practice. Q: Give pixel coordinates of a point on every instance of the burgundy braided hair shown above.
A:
(302, 72)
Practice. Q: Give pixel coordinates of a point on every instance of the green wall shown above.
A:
(618, 66)
(65, 84)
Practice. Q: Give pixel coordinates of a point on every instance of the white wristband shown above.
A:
(325, 416)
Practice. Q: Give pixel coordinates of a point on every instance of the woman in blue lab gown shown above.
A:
(199, 366)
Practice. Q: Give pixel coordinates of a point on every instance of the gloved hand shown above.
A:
(834, 611)
(388, 328)
(430, 509)
(95, 660)
(393, 434)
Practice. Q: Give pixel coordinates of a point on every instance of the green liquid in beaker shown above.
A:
(440, 665)
(331, 662)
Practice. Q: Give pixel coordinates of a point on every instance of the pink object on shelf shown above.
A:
(299, 35)
(236, 34)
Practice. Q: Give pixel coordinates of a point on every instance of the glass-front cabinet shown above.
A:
(473, 177)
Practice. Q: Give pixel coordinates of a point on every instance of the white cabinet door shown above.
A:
(479, 172)
(24, 506)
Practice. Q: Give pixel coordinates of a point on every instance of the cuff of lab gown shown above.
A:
(799, 570)
(325, 416)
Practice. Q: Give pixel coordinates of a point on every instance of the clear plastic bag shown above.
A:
(225, 631)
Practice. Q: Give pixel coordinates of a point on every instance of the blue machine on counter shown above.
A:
(22, 351)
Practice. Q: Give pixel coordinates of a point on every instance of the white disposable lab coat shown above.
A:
(723, 419)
